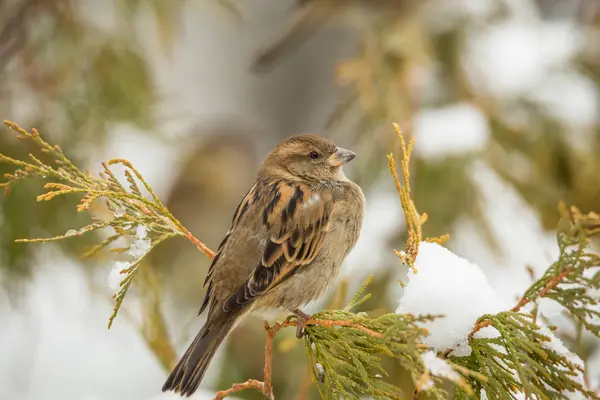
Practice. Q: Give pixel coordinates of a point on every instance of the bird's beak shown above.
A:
(340, 157)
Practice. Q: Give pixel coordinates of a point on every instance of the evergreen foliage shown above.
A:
(345, 348)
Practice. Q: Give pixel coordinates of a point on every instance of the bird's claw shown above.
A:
(301, 319)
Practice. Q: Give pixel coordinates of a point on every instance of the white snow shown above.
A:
(438, 367)
(445, 15)
(454, 129)
(569, 97)
(141, 244)
(138, 249)
(517, 232)
(115, 277)
(450, 285)
(512, 57)
(141, 232)
(556, 345)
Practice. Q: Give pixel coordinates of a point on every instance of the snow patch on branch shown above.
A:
(452, 286)
(438, 367)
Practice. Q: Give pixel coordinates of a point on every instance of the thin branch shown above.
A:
(238, 387)
(201, 246)
(549, 286)
(552, 283)
(265, 387)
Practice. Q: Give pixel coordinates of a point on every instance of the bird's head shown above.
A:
(308, 157)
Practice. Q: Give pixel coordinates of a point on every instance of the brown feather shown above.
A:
(288, 238)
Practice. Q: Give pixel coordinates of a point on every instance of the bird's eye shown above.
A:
(314, 155)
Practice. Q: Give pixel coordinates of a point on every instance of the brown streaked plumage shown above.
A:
(288, 238)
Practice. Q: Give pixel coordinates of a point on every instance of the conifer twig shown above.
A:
(265, 387)
(134, 205)
(552, 283)
(414, 220)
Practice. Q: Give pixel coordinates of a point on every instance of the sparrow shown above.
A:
(310, 15)
(288, 238)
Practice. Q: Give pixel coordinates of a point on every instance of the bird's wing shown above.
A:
(251, 200)
(296, 219)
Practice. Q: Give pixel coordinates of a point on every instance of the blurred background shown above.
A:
(502, 97)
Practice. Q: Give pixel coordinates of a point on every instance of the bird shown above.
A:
(310, 15)
(288, 238)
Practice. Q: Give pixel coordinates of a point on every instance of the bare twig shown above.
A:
(238, 387)
(201, 246)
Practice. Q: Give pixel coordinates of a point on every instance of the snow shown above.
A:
(556, 345)
(517, 232)
(576, 106)
(445, 15)
(510, 58)
(438, 367)
(454, 129)
(141, 232)
(142, 244)
(115, 277)
(55, 344)
(450, 285)
(138, 249)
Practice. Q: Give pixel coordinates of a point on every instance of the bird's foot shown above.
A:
(301, 318)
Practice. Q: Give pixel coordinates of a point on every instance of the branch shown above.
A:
(552, 283)
(271, 331)
(136, 208)
(549, 286)
(414, 220)
(238, 387)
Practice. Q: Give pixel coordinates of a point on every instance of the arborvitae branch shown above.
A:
(134, 207)
(345, 348)
(522, 357)
(414, 220)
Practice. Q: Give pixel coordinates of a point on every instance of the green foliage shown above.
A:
(132, 206)
(521, 356)
(577, 269)
(347, 349)
(123, 87)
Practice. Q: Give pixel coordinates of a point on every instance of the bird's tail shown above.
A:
(190, 370)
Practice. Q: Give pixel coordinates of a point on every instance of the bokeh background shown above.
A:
(502, 97)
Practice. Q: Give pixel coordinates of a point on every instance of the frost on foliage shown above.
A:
(115, 277)
(437, 367)
(138, 249)
(136, 209)
(449, 285)
(142, 243)
(523, 358)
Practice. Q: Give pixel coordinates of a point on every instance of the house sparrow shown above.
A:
(288, 238)
(310, 15)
